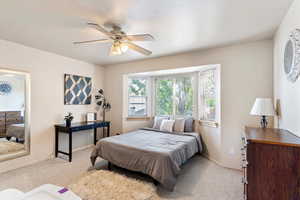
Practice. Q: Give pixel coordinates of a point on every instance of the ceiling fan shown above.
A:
(120, 40)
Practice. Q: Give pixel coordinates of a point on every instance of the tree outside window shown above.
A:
(174, 96)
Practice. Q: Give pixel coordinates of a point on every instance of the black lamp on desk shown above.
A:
(263, 107)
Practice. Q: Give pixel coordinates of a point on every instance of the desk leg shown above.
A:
(103, 132)
(70, 146)
(56, 142)
(95, 136)
(108, 130)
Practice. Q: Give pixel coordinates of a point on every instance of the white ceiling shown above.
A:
(177, 25)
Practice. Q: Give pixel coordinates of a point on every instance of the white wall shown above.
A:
(246, 73)
(286, 92)
(14, 101)
(47, 90)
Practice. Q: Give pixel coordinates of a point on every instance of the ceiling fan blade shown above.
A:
(140, 37)
(100, 28)
(93, 41)
(138, 48)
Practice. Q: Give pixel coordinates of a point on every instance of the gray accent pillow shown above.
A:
(189, 124)
(158, 120)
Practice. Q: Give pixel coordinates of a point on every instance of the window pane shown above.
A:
(208, 95)
(164, 100)
(137, 99)
(137, 106)
(137, 87)
(184, 96)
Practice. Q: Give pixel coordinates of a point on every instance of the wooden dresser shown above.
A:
(271, 164)
(8, 118)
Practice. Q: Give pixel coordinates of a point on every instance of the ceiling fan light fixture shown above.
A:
(124, 47)
(121, 42)
(116, 49)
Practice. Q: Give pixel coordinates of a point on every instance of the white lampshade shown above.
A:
(263, 107)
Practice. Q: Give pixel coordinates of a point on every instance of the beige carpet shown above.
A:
(113, 186)
(200, 179)
(7, 147)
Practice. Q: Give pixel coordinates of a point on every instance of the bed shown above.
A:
(156, 153)
(16, 130)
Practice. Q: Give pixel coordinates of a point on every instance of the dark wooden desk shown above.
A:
(80, 126)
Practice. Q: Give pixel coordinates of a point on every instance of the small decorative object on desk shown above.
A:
(91, 116)
(102, 102)
(69, 119)
(263, 107)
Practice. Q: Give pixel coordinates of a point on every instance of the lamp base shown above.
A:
(264, 122)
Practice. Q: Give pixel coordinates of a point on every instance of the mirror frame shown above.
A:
(27, 111)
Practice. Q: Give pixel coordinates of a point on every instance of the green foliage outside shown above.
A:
(184, 96)
(164, 94)
(165, 100)
(182, 99)
(137, 87)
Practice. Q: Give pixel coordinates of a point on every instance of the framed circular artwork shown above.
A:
(292, 56)
(5, 88)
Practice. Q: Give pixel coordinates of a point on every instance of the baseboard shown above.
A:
(74, 150)
(83, 147)
(217, 162)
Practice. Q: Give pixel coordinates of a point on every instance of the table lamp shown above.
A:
(263, 107)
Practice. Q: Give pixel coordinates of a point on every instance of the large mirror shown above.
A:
(14, 114)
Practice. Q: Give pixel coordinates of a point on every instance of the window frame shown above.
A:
(216, 121)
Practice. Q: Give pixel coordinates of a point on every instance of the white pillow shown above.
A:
(167, 125)
(158, 120)
(179, 125)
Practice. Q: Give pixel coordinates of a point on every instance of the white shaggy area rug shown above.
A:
(10, 147)
(107, 185)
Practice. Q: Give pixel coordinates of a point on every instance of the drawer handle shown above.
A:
(245, 164)
(244, 181)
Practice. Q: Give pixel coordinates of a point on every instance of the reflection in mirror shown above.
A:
(14, 123)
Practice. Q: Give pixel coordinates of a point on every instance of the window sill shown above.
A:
(213, 124)
(138, 118)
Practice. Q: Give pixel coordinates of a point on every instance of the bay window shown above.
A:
(187, 94)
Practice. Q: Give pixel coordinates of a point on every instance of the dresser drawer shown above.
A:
(2, 132)
(2, 115)
(13, 114)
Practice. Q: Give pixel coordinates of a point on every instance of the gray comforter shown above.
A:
(158, 154)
